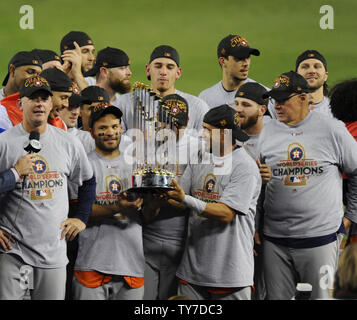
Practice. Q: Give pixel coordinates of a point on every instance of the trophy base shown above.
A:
(151, 182)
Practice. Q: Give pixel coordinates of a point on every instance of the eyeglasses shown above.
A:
(281, 101)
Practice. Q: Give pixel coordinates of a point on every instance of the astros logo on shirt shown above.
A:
(39, 166)
(297, 168)
(114, 184)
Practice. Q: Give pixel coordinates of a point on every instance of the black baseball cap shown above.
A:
(165, 51)
(76, 100)
(287, 84)
(23, 58)
(310, 54)
(225, 117)
(95, 94)
(46, 55)
(100, 111)
(236, 46)
(175, 106)
(253, 91)
(34, 84)
(58, 80)
(109, 58)
(78, 36)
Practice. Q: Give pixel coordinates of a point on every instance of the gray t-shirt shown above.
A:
(111, 245)
(170, 224)
(45, 198)
(304, 196)
(323, 107)
(216, 253)
(84, 137)
(196, 110)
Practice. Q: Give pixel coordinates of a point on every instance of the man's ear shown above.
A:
(19, 103)
(91, 132)
(178, 73)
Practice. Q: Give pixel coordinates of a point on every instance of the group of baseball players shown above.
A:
(263, 194)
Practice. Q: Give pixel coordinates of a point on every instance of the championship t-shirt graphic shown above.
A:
(297, 168)
(43, 182)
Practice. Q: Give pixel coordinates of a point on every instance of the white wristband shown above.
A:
(194, 203)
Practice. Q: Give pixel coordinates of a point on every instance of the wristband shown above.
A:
(194, 203)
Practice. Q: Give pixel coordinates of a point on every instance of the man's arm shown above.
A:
(22, 167)
(217, 211)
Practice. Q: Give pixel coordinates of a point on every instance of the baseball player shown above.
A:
(251, 108)
(70, 116)
(233, 54)
(164, 234)
(33, 223)
(112, 71)
(313, 67)
(163, 70)
(218, 259)
(77, 52)
(110, 263)
(22, 65)
(62, 88)
(303, 209)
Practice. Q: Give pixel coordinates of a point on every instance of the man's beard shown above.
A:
(101, 146)
(250, 122)
(121, 86)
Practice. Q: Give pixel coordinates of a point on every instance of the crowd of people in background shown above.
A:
(70, 228)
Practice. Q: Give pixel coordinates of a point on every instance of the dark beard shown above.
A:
(251, 121)
(120, 86)
(102, 147)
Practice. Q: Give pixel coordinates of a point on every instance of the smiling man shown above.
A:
(313, 67)
(307, 152)
(163, 70)
(34, 230)
(77, 52)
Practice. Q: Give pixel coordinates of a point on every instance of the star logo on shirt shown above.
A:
(114, 187)
(296, 154)
(40, 166)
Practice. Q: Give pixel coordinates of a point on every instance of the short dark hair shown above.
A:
(343, 101)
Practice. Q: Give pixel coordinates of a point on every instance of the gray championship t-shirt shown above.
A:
(303, 199)
(112, 245)
(35, 220)
(216, 253)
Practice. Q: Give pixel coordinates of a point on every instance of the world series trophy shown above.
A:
(152, 171)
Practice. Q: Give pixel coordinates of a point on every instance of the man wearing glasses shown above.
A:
(307, 152)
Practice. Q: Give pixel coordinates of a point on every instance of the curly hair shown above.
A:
(344, 100)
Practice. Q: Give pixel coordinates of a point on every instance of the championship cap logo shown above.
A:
(167, 54)
(241, 93)
(310, 55)
(281, 80)
(239, 41)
